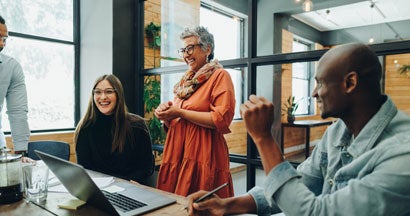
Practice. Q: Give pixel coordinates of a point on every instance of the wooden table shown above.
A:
(53, 199)
(307, 124)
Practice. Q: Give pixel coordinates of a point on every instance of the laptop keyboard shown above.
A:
(123, 202)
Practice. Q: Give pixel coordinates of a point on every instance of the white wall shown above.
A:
(96, 45)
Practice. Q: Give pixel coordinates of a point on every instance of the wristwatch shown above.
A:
(23, 153)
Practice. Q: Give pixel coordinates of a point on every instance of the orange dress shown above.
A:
(197, 158)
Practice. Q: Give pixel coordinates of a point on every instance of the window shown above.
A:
(227, 28)
(42, 41)
(301, 80)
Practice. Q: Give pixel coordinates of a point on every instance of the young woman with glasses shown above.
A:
(111, 140)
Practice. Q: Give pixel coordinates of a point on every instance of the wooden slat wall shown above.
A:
(236, 140)
(287, 41)
(152, 10)
(397, 85)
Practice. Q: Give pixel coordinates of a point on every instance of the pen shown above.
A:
(209, 194)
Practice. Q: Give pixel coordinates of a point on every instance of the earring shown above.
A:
(207, 58)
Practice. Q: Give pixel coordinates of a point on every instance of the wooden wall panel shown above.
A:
(152, 12)
(236, 140)
(397, 85)
(287, 41)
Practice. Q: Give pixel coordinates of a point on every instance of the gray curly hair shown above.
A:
(205, 38)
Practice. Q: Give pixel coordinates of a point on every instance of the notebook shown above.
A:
(132, 200)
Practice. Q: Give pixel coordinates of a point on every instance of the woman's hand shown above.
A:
(167, 111)
(163, 106)
(211, 206)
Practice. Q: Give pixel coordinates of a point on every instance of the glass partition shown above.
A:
(286, 40)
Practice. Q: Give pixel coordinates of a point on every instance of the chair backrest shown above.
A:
(57, 148)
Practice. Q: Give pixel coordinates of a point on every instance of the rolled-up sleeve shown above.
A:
(223, 101)
(262, 205)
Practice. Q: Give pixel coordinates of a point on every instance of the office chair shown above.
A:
(57, 148)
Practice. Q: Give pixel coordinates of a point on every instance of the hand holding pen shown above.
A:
(208, 194)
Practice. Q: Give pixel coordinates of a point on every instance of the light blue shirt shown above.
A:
(13, 89)
(369, 175)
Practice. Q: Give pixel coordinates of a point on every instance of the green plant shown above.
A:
(151, 96)
(152, 31)
(405, 69)
(290, 106)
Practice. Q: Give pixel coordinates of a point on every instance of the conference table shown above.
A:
(55, 198)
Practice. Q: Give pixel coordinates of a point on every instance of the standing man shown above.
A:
(13, 89)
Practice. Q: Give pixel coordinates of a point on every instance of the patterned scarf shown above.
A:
(191, 80)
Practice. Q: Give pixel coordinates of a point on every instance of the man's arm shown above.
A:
(218, 206)
(258, 114)
(17, 109)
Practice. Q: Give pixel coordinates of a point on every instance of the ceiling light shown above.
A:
(371, 39)
(307, 5)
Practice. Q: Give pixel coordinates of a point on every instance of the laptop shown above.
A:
(79, 183)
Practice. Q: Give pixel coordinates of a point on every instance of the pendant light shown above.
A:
(307, 5)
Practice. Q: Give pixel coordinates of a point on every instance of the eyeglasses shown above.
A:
(3, 38)
(189, 50)
(108, 91)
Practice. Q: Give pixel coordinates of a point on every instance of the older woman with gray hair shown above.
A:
(196, 155)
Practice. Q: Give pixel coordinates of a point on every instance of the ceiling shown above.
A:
(387, 20)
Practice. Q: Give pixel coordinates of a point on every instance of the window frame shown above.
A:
(76, 73)
(310, 77)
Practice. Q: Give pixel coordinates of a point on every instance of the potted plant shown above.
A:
(152, 31)
(405, 69)
(290, 108)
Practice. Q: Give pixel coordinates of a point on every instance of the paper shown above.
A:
(71, 204)
(101, 182)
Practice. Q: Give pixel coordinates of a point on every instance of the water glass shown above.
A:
(35, 182)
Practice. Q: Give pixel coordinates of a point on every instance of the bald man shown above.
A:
(360, 166)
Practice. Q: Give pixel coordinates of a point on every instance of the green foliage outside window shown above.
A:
(152, 95)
